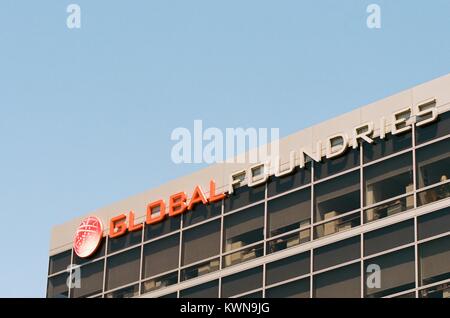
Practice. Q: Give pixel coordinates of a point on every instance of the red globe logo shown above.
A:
(88, 237)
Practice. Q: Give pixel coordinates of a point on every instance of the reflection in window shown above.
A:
(388, 179)
(202, 212)
(201, 242)
(126, 292)
(343, 282)
(59, 262)
(243, 255)
(289, 212)
(242, 282)
(337, 196)
(200, 269)
(288, 268)
(57, 286)
(122, 242)
(384, 147)
(397, 273)
(332, 166)
(434, 260)
(288, 241)
(207, 290)
(161, 256)
(244, 227)
(439, 291)
(123, 268)
(159, 282)
(296, 289)
(434, 130)
(170, 224)
(298, 178)
(91, 282)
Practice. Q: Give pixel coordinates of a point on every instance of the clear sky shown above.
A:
(86, 114)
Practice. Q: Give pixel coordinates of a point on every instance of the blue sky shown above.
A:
(86, 115)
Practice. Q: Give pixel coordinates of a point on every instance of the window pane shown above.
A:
(172, 295)
(200, 269)
(288, 241)
(384, 147)
(125, 241)
(344, 282)
(297, 179)
(287, 268)
(337, 196)
(243, 196)
(123, 268)
(161, 256)
(91, 282)
(244, 227)
(388, 179)
(243, 255)
(100, 252)
(388, 237)
(160, 282)
(59, 262)
(296, 289)
(337, 253)
(338, 225)
(437, 193)
(434, 260)
(252, 295)
(57, 286)
(201, 242)
(170, 224)
(439, 291)
(397, 273)
(202, 212)
(126, 292)
(241, 282)
(389, 208)
(289, 212)
(328, 167)
(434, 130)
(207, 290)
(433, 163)
(434, 223)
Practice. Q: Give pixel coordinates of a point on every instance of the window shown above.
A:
(122, 242)
(288, 241)
(388, 237)
(295, 289)
(243, 196)
(289, 212)
(329, 167)
(439, 291)
(244, 227)
(202, 212)
(389, 208)
(384, 147)
(434, 223)
(123, 268)
(126, 292)
(388, 179)
(343, 282)
(200, 269)
(172, 295)
(168, 225)
(288, 268)
(397, 273)
(297, 179)
(252, 295)
(242, 282)
(337, 253)
(434, 260)
(91, 282)
(434, 130)
(161, 256)
(207, 290)
(243, 255)
(57, 286)
(201, 242)
(160, 282)
(59, 262)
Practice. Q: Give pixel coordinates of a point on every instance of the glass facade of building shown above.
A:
(372, 192)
